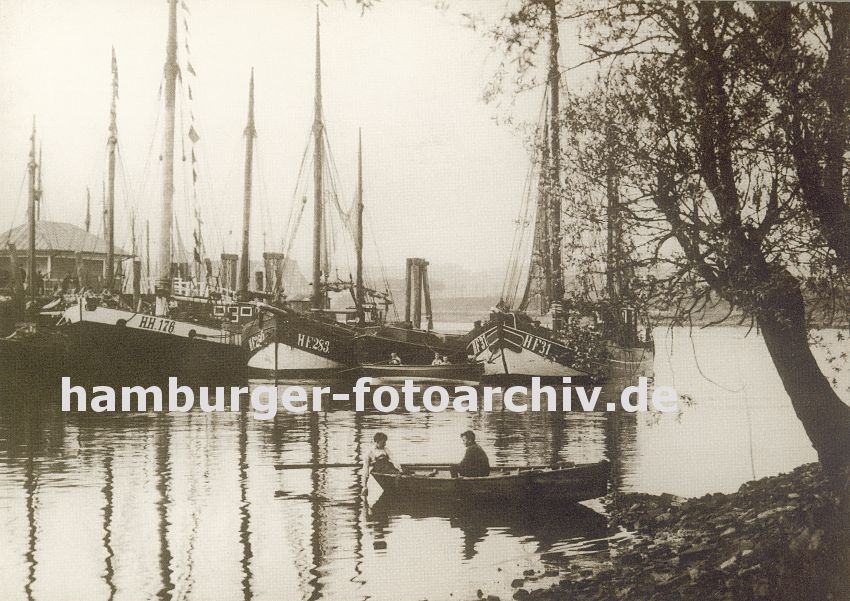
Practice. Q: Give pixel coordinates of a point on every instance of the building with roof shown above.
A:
(61, 250)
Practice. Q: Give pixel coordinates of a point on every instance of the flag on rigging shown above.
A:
(193, 135)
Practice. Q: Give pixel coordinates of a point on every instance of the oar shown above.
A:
(421, 466)
(304, 466)
(321, 466)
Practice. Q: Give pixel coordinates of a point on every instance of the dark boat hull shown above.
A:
(42, 359)
(564, 485)
(291, 344)
(513, 349)
(111, 345)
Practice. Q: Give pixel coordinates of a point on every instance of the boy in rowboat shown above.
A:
(378, 460)
(475, 462)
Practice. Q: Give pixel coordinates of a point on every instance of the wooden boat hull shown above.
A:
(470, 372)
(510, 352)
(414, 347)
(513, 351)
(563, 485)
(296, 345)
(112, 345)
(40, 358)
(288, 343)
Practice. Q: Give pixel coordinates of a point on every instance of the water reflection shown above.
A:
(147, 506)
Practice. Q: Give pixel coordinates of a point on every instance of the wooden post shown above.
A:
(407, 289)
(258, 281)
(224, 272)
(232, 268)
(137, 283)
(417, 293)
(426, 289)
(17, 284)
(268, 268)
(82, 276)
(147, 254)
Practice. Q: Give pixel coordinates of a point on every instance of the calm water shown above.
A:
(190, 507)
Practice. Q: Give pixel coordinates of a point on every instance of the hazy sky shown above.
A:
(443, 180)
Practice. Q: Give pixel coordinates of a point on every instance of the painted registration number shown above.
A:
(157, 324)
(313, 343)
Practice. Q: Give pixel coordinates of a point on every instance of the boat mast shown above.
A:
(318, 208)
(250, 134)
(361, 314)
(31, 217)
(112, 143)
(171, 70)
(612, 268)
(88, 209)
(543, 212)
(39, 196)
(555, 168)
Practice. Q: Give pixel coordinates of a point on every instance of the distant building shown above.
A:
(57, 249)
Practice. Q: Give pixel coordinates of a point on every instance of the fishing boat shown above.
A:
(31, 348)
(455, 372)
(562, 483)
(593, 340)
(111, 340)
(311, 339)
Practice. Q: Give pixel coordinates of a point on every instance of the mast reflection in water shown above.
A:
(129, 506)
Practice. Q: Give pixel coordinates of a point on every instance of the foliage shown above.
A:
(721, 130)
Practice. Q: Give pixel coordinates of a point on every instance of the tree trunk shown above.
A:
(825, 417)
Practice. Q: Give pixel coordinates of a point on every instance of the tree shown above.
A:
(728, 127)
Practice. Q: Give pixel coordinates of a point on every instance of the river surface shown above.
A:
(151, 506)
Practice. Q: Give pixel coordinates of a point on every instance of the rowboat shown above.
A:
(457, 372)
(562, 483)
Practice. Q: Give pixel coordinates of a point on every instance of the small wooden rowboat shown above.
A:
(458, 372)
(563, 483)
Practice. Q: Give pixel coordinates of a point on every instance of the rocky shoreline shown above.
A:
(776, 538)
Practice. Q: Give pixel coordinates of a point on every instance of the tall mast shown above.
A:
(39, 194)
(612, 274)
(88, 209)
(31, 217)
(250, 134)
(148, 251)
(318, 208)
(166, 217)
(543, 212)
(361, 315)
(555, 164)
(112, 143)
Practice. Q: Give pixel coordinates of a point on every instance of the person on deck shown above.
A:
(395, 359)
(379, 460)
(437, 359)
(475, 463)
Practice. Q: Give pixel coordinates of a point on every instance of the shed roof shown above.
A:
(53, 236)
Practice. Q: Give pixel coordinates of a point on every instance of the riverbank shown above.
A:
(773, 539)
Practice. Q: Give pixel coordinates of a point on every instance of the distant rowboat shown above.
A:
(458, 372)
(564, 483)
